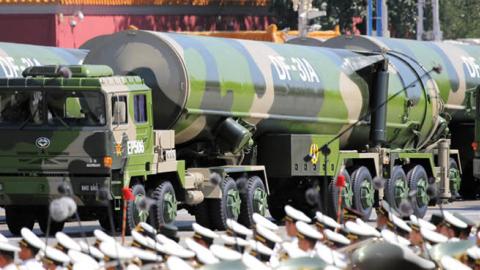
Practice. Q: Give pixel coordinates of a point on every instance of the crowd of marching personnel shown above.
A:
(446, 242)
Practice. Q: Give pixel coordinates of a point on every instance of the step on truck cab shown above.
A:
(79, 131)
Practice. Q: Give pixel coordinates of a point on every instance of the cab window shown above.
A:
(119, 110)
(140, 108)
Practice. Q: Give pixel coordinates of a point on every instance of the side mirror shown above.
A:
(119, 112)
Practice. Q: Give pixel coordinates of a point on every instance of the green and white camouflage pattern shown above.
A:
(460, 64)
(279, 88)
(14, 57)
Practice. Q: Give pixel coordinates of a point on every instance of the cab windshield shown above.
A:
(52, 108)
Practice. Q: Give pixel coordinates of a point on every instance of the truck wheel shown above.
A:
(363, 191)
(276, 204)
(228, 207)
(396, 188)
(166, 203)
(347, 193)
(136, 214)
(418, 180)
(18, 217)
(253, 200)
(201, 214)
(43, 219)
(455, 179)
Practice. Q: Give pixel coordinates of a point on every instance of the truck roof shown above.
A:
(81, 77)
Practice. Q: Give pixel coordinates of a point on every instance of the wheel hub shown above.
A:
(400, 190)
(170, 207)
(260, 201)
(141, 214)
(233, 202)
(366, 194)
(347, 195)
(422, 196)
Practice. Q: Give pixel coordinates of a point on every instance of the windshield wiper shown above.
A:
(30, 117)
(55, 116)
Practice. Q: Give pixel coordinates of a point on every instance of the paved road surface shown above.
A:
(470, 209)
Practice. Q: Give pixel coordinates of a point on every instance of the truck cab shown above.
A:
(81, 132)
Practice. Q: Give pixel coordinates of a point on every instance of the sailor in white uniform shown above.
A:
(30, 244)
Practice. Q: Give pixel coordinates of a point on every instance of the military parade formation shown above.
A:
(447, 241)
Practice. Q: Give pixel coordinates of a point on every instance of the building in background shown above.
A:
(69, 23)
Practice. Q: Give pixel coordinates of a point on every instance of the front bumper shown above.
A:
(29, 190)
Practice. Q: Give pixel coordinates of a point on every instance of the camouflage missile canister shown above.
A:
(460, 63)
(279, 88)
(14, 58)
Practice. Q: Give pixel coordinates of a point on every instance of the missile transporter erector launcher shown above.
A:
(215, 125)
(244, 102)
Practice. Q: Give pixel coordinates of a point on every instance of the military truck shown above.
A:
(220, 126)
(82, 128)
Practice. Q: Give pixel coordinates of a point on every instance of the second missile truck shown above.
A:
(220, 127)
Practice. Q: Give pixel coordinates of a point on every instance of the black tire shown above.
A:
(276, 206)
(201, 214)
(104, 221)
(219, 210)
(43, 220)
(418, 181)
(363, 191)
(396, 187)
(18, 217)
(250, 201)
(133, 215)
(347, 194)
(453, 173)
(165, 210)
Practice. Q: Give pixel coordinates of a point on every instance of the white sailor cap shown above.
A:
(146, 256)
(85, 265)
(224, 253)
(452, 221)
(204, 255)
(474, 254)
(101, 236)
(114, 251)
(394, 238)
(7, 247)
(145, 227)
(330, 256)
(65, 242)
(432, 236)
(142, 241)
(203, 233)
(164, 240)
(355, 231)
(293, 250)
(91, 250)
(294, 215)
(449, 263)
(253, 263)
(266, 236)
(174, 249)
(263, 221)
(336, 239)
(236, 229)
(79, 257)
(3, 238)
(324, 220)
(368, 228)
(417, 223)
(174, 263)
(230, 241)
(399, 223)
(31, 239)
(133, 266)
(306, 231)
(54, 256)
(260, 251)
